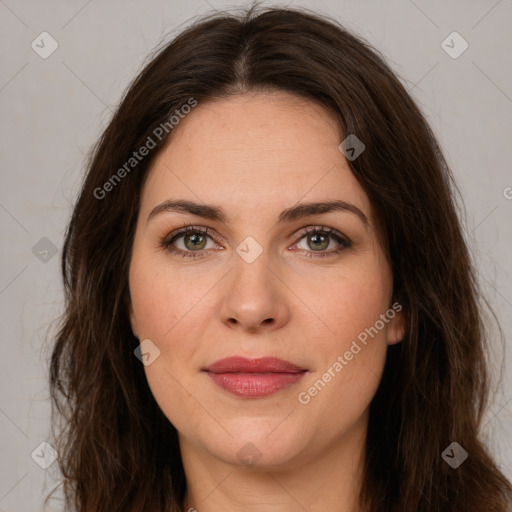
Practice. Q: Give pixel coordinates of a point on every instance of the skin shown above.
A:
(255, 155)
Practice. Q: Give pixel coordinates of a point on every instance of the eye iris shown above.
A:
(195, 237)
(316, 236)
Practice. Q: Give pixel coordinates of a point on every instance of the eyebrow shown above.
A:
(298, 211)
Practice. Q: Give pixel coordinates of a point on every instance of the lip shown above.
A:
(238, 364)
(254, 378)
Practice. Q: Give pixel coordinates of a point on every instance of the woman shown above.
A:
(270, 303)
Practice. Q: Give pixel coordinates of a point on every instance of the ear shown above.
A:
(133, 320)
(396, 325)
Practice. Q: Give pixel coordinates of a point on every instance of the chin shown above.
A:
(258, 453)
(253, 446)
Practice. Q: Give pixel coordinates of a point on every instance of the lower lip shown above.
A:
(255, 385)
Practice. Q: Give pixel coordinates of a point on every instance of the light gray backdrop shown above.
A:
(55, 100)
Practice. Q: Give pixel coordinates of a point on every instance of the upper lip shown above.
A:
(239, 364)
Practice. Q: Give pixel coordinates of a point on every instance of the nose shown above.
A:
(254, 297)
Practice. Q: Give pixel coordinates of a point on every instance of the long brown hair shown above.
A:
(117, 450)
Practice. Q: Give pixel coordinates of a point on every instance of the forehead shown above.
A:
(250, 151)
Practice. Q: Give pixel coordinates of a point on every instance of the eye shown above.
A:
(194, 241)
(319, 238)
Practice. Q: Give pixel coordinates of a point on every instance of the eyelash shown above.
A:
(166, 243)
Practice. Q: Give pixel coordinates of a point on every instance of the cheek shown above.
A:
(351, 356)
(163, 306)
(348, 302)
(170, 309)
(162, 300)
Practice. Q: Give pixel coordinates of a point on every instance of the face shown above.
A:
(257, 275)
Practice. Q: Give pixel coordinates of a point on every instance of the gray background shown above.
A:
(54, 109)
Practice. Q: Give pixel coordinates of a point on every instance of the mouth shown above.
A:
(254, 378)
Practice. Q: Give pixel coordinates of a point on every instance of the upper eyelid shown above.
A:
(300, 234)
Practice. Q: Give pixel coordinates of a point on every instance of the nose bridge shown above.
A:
(252, 274)
(253, 295)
